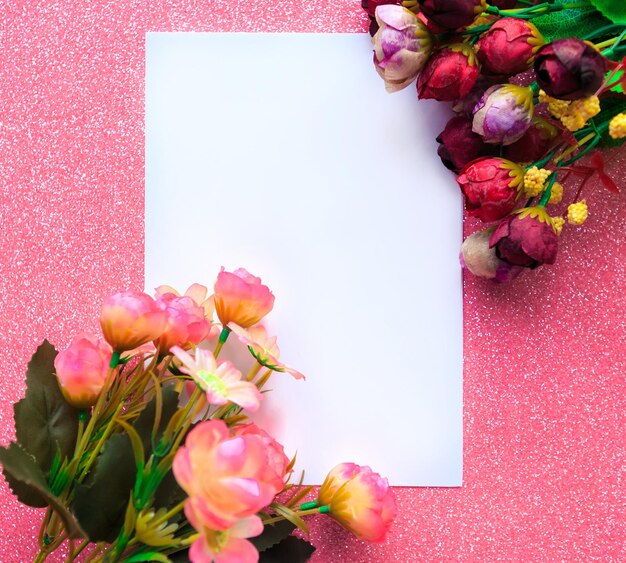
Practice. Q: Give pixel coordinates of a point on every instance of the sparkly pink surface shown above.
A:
(545, 356)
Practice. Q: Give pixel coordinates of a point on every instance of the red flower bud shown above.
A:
(452, 14)
(449, 74)
(503, 4)
(534, 143)
(490, 187)
(526, 238)
(460, 145)
(509, 46)
(569, 69)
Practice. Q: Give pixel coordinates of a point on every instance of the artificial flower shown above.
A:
(82, 370)
(276, 458)
(263, 348)
(503, 114)
(360, 500)
(481, 260)
(370, 7)
(241, 298)
(569, 69)
(221, 382)
(490, 186)
(452, 14)
(186, 322)
(229, 546)
(151, 529)
(449, 74)
(458, 144)
(527, 238)
(130, 319)
(226, 477)
(577, 213)
(533, 144)
(401, 46)
(509, 46)
(199, 293)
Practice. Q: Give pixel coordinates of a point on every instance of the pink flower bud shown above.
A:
(276, 458)
(360, 500)
(82, 370)
(130, 319)
(186, 323)
(241, 298)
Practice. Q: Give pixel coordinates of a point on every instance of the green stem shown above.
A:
(548, 191)
(319, 510)
(223, 337)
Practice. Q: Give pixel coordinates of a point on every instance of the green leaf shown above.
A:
(611, 9)
(148, 556)
(43, 419)
(292, 549)
(100, 503)
(573, 22)
(28, 482)
(273, 534)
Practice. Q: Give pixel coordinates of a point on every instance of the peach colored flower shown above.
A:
(241, 298)
(277, 459)
(229, 546)
(130, 319)
(221, 382)
(360, 500)
(226, 477)
(186, 324)
(263, 347)
(82, 370)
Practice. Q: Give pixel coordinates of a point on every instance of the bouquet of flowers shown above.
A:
(536, 87)
(140, 445)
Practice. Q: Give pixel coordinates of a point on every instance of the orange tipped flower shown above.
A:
(130, 319)
(360, 500)
(241, 298)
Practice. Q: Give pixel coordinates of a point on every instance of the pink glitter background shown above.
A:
(545, 356)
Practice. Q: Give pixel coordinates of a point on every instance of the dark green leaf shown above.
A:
(100, 502)
(180, 557)
(273, 534)
(43, 419)
(28, 482)
(573, 22)
(615, 10)
(291, 549)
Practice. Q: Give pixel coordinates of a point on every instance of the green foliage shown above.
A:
(292, 549)
(615, 10)
(273, 534)
(28, 482)
(44, 422)
(100, 503)
(573, 22)
(148, 556)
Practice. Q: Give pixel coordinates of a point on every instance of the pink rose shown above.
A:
(241, 298)
(82, 370)
(130, 319)
(277, 459)
(226, 477)
(360, 500)
(186, 323)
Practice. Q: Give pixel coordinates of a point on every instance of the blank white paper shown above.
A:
(283, 154)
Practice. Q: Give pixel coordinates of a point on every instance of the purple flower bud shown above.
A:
(401, 46)
(503, 114)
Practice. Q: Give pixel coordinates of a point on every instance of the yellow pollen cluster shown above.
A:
(579, 111)
(557, 224)
(556, 194)
(617, 126)
(534, 180)
(577, 213)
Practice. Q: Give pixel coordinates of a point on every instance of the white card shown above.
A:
(283, 154)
